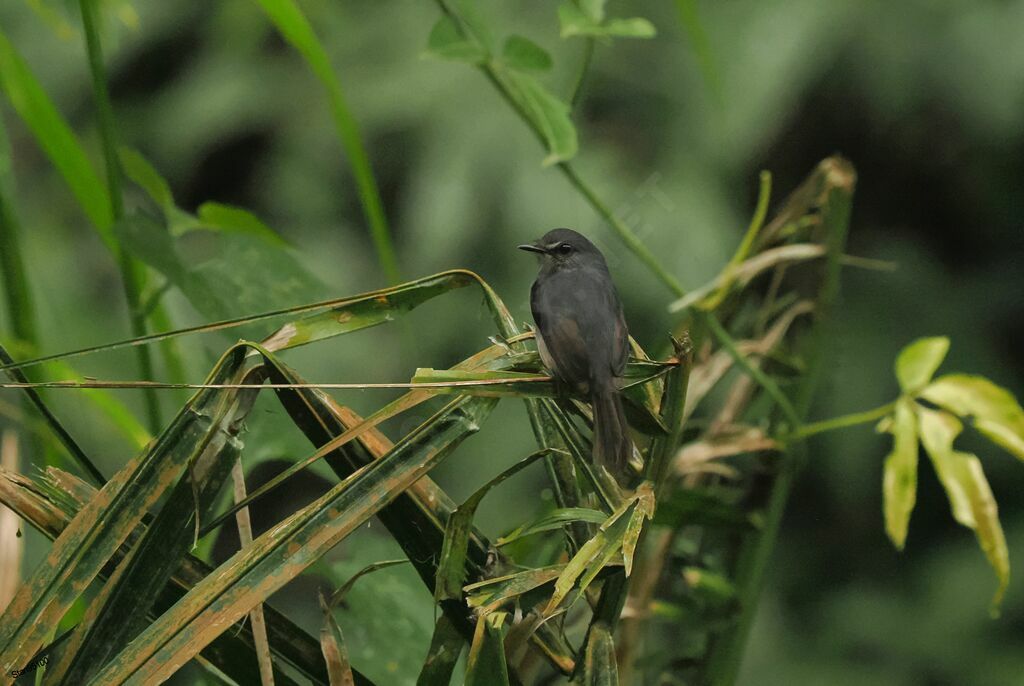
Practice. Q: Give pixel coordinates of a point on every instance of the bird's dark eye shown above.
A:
(564, 249)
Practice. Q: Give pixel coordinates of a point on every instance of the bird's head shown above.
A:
(564, 248)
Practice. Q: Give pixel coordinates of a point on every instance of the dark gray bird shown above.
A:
(582, 336)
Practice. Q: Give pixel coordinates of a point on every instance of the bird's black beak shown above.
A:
(532, 247)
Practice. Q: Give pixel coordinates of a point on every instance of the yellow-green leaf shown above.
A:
(995, 411)
(918, 361)
(970, 496)
(899, 482)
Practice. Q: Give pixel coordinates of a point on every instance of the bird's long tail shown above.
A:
(613, 447)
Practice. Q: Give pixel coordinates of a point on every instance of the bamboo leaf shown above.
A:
(451, 570)
(493, 593)
(556, 519)
(917, 362)
(445, 648)
(969, 494)
(333, 645)
(378, 307)
(899, 483)
(593, 556)
(50, 505)
(994, 410)
(86, 545)
(599, 667)
(285, 551)
(486, 663)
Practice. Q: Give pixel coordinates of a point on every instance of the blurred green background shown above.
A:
(925, 98)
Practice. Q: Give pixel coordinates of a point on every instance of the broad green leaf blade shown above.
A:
(215, 215)
(899, 482)
(556, 519)
(451, 570)
(283, 552)
(599, 666)
(486, 663)
(446, 42)
(546, 113)
(970, 496)
(523, 54)
(296, 29)
(491, 594)
(56, 139)
(917, 362)
(101, 527)
(332, 642)
(994, 410)
(445, 648)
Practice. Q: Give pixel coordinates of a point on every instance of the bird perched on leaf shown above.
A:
(581, 335)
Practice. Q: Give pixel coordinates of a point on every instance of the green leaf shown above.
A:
(636, 27)
(969, 494)
(215, 215)
(141, 172)
(994, 410)
(525, 55)
(445, 648)
(451, 571)
(579, 22)
(546, 113)
(599, 666)
(491, 594)
(917, 362)
(574, 22)
(553, 520)
(644, 510)
(899, 482)
(486, 663)
(601, 550)
(378, 307)
(446, 42)
(56, 138)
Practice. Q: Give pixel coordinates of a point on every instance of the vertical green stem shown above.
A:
(131, 273)
(19, 298)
